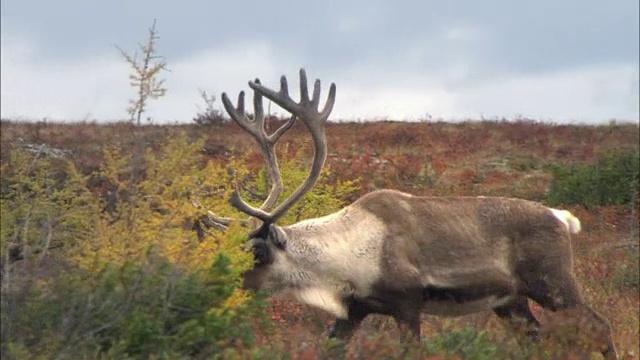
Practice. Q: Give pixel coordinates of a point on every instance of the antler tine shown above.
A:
(281, 97)
(316, 94)
(254, 127)
(258, 110)
(304, 89)
(222, 223)
(282, 129)
(306, 109)
(331, 100)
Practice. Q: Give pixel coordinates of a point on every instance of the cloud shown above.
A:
(402, 86)
(216, 70)
(33, 88)
(392, 103)
(98, 87)
(586, 94)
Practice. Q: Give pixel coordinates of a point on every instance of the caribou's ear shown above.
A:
(277, 236)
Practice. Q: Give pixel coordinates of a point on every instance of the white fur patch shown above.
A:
(329, 259)
(323, 299)
(571, 222)
(342, 249)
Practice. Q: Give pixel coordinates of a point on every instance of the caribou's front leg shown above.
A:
(343, 329)
(517, 315)
(409, 324)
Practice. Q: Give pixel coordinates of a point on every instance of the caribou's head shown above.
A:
(268, 241)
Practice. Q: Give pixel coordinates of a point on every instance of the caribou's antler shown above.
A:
(255, 127)
(307, 111)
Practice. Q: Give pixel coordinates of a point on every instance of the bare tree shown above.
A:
(209, 115)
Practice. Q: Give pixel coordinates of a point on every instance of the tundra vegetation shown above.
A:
(98, 263)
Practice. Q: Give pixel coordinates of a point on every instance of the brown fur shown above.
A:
(440, 255)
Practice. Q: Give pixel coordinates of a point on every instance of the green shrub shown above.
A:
(467, 343)
(627, 275)
(43, 206)
(612, 180)
(137, 310)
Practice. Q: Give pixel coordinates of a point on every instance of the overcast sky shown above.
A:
(551, 60)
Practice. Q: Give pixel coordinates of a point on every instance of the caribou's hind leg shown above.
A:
(557, 291)
(517, 314)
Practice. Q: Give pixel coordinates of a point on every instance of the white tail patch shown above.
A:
(571, 222)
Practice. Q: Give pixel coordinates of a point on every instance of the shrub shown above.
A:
(209, 115)
(467, 343)
(134, 310)
(627, 275)
(612, 180)
(125, 283)
(44, 207)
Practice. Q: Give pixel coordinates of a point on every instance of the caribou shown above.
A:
(401, 255)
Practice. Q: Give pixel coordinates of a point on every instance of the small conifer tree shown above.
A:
(145, 74)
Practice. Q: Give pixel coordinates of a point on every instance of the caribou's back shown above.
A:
(462, 227)
(460, 254)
